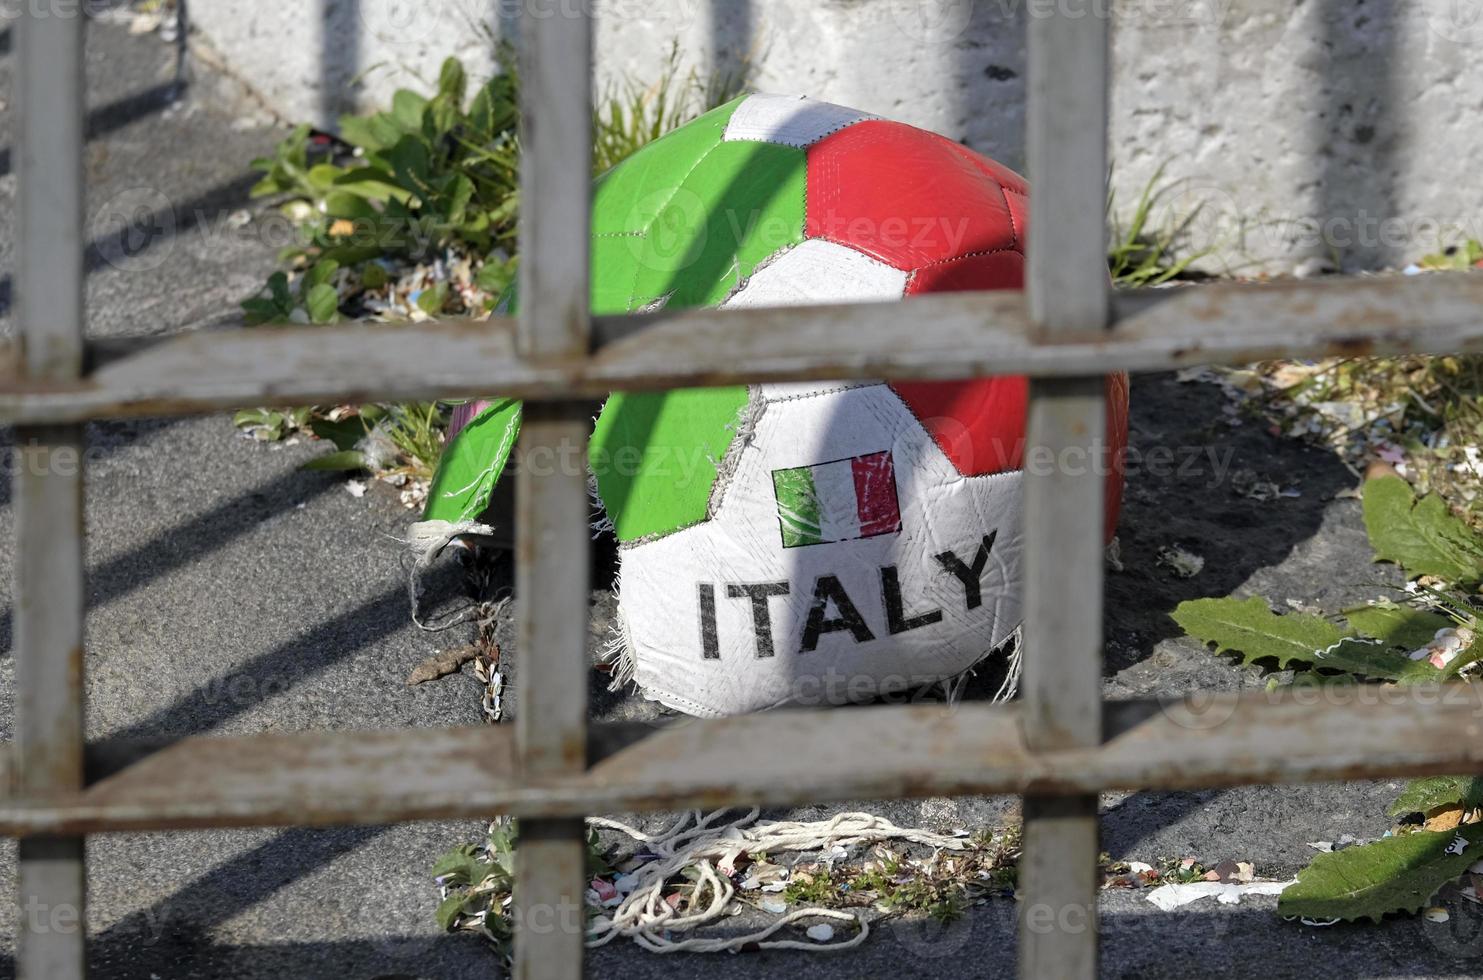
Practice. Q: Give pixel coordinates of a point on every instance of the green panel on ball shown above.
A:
(743, 202)
(655, 456)
(680, 224)
(473, 463)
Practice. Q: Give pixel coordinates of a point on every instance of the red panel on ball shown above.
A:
(905, 196)
(986, 270)
(980, 424)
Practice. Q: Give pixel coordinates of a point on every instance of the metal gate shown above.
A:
(1059, 746)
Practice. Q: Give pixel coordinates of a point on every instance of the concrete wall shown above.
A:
(1293, 130)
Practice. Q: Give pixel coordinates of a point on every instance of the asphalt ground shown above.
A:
(231, 592)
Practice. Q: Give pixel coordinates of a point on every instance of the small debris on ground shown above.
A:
(1248, 484)
(445, 663)
(1170, 897)
(1184, 563)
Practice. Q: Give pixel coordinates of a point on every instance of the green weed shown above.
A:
(1147, 251)
(420, 222)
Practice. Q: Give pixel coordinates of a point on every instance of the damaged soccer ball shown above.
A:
(813, 543)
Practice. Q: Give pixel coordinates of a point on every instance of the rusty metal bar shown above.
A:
(553, 544)
(952, 336)
(1067, 290)
(52, 931)
(781, 758)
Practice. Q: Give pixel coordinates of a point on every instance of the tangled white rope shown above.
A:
(644, 916)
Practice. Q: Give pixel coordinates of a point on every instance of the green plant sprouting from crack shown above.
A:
(1430, 637)
(412, 215)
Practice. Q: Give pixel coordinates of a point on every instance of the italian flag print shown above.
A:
(841, 500)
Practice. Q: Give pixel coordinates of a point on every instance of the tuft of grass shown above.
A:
(1427, 407)
(631, 115)
(817, 887)
(416, 431)
(1146, 251)
(941, 897)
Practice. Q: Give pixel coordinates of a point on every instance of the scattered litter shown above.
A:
(493, 700)
(1458, 845)
(1192, 374)
(1232, 871)
(1320, 923)
(145, 23)
(1170, 897)
(450, 284)
(355, 488)
(1185, 564)
(695, 844)
(1445, 646)
(765, 874)
(1139, 868)
(774, 905)
(1246, 483)
(1362, 409)
(1436, 914)
(605, 893)
(1392, 454)
(1312, 267)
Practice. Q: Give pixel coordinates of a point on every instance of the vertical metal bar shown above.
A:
(553, 544)
(48, 486)
(1068, 295)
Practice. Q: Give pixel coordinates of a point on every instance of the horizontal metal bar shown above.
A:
(957, 335)
(777, 758)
